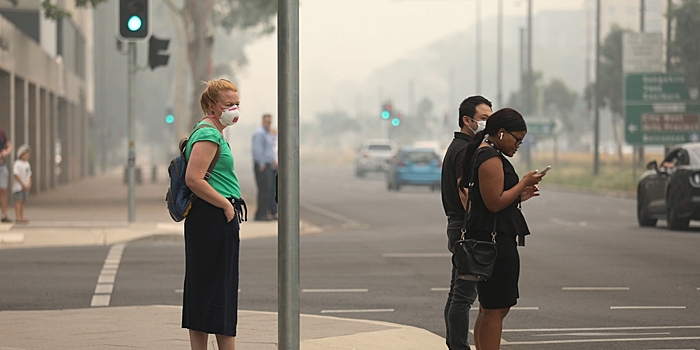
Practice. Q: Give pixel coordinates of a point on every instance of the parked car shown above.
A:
(414, 166)
(374, 155)
(671, 190)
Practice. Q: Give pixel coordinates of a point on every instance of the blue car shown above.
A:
(414, 166)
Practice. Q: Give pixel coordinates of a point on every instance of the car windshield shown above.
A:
(379, 148)
(694, 156)
(420, 156)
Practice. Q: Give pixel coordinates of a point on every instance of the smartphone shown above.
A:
(545, 170)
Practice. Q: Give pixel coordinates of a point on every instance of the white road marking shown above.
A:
(13, 238)
(568, 223)
(595, 288)
(598, 334)
(105, 282)
(355, 311)
(574, 341)
(593, 329)
(416, 255)
(329, 214)
(645, 307)
(439, 289)
(334, 290)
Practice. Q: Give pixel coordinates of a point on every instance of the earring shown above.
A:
(501, 137)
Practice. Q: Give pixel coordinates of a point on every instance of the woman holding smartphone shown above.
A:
(498, 191)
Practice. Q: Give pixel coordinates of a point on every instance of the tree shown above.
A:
(686, 46)
(201, 18)
(610, 84)
(54, 12)
(559, 99)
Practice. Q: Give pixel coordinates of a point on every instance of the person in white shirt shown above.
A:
(23, 181)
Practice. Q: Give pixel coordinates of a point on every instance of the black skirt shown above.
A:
(210, 297)
(501, 290)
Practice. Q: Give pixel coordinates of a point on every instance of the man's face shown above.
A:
(267, 123)
(483, 112)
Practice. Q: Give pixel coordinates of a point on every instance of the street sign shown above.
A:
(540, 126)
(660, 109)
(642, 52)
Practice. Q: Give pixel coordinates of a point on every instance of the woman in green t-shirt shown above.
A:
(212, 241)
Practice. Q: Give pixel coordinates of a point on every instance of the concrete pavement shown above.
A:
(94, 211)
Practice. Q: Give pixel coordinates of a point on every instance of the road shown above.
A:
(591, 278)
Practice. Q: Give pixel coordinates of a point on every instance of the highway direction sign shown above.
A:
(660, 109)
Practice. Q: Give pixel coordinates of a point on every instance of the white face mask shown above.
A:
(230, 116)
(480, 125)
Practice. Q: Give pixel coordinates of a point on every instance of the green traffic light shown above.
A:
(386, 114)
(169, 118)
(135, 23)
(396, 122)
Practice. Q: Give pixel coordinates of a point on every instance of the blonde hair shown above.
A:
(212, 92)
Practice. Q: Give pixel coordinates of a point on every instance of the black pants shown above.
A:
(460, 298)
(266, 191)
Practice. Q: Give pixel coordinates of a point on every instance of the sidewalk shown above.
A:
(94, 211)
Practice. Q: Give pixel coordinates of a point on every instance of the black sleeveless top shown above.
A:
(510, 221)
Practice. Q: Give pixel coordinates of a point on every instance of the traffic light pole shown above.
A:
(131, 171)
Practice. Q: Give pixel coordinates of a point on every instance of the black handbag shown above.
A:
(475, 259)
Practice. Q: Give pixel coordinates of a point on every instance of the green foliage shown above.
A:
(246, 15)
(559, 100)
(54, 12)
(686, 46)
(520, 100)
(611, 70)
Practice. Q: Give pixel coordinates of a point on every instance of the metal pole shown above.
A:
(530, 81)
(288, 225)
(596, 127)
(642, 9)
(478, 46)
(669, 19)
(499, 64)
(131, 162)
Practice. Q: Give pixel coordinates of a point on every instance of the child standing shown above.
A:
(23, 181)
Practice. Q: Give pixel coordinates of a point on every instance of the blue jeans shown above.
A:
(459, 300)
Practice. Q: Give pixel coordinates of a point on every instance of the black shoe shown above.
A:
(5, 219)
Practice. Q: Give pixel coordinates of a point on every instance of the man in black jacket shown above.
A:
(473, 112)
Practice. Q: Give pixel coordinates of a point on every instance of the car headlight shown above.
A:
(695, 179)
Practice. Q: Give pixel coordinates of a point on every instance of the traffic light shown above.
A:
(387, 109)
(169, 117)
(156, 56)
(133, 20)
(396, 120)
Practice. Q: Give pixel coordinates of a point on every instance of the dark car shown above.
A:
(671, 190)
(414, 166)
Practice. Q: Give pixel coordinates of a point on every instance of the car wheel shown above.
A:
(674, 222)
(433, 188)
(397, 187)
(642, 216)
(359, 173)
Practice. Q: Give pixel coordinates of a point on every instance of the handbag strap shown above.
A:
(469, 200)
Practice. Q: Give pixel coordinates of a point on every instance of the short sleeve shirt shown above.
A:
(223, 178)
(23, 170)
(451, 170)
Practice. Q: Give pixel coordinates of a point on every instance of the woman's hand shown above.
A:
(532, 191)
(229, 212)
(532, 178)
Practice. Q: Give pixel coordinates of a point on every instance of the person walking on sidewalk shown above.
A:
(473, 112)
(264, 166)
(5, 151)
(22, 171)
(212, 227)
